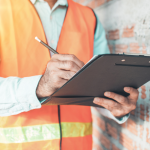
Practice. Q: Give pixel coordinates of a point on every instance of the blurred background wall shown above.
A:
(127, 25)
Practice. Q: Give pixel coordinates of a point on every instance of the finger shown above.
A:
(62, 82)
(65, 65)
(58, 82)
(106, 103)
(66, 74)
(119, 98)
(69, 57)
(134, 93)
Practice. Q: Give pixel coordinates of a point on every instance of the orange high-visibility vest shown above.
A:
(22, 56)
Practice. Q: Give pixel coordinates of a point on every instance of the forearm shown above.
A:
(18, 95)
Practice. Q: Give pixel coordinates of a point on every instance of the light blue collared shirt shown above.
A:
(19, 94)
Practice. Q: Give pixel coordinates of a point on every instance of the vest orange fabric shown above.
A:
(22, 56)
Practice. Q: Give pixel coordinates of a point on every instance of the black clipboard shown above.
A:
(109, 72)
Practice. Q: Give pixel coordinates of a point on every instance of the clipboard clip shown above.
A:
(135, 54)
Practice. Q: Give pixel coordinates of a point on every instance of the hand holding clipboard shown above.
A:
(101, 74)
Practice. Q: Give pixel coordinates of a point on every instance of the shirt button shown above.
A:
(34, 106)
(51, 17)
(52, 41)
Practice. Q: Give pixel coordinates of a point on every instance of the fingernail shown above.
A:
(107, 94)
(96, 100)
(127, 89)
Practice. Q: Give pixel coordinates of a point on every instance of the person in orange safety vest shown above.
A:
(29, 73)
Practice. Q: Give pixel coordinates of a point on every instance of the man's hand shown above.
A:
(59, 70)
(122, 105)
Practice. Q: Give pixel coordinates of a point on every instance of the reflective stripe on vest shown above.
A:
(44, 132)
(19, 24)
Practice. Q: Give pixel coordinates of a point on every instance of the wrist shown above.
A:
(41, 92)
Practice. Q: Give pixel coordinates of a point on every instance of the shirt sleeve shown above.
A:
(18, 95)
(100, 42)
(101, 47)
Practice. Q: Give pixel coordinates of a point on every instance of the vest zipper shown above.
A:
(60, 126)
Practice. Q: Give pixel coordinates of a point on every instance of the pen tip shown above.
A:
(37, 39)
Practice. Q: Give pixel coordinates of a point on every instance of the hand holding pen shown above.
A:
(59, 70)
